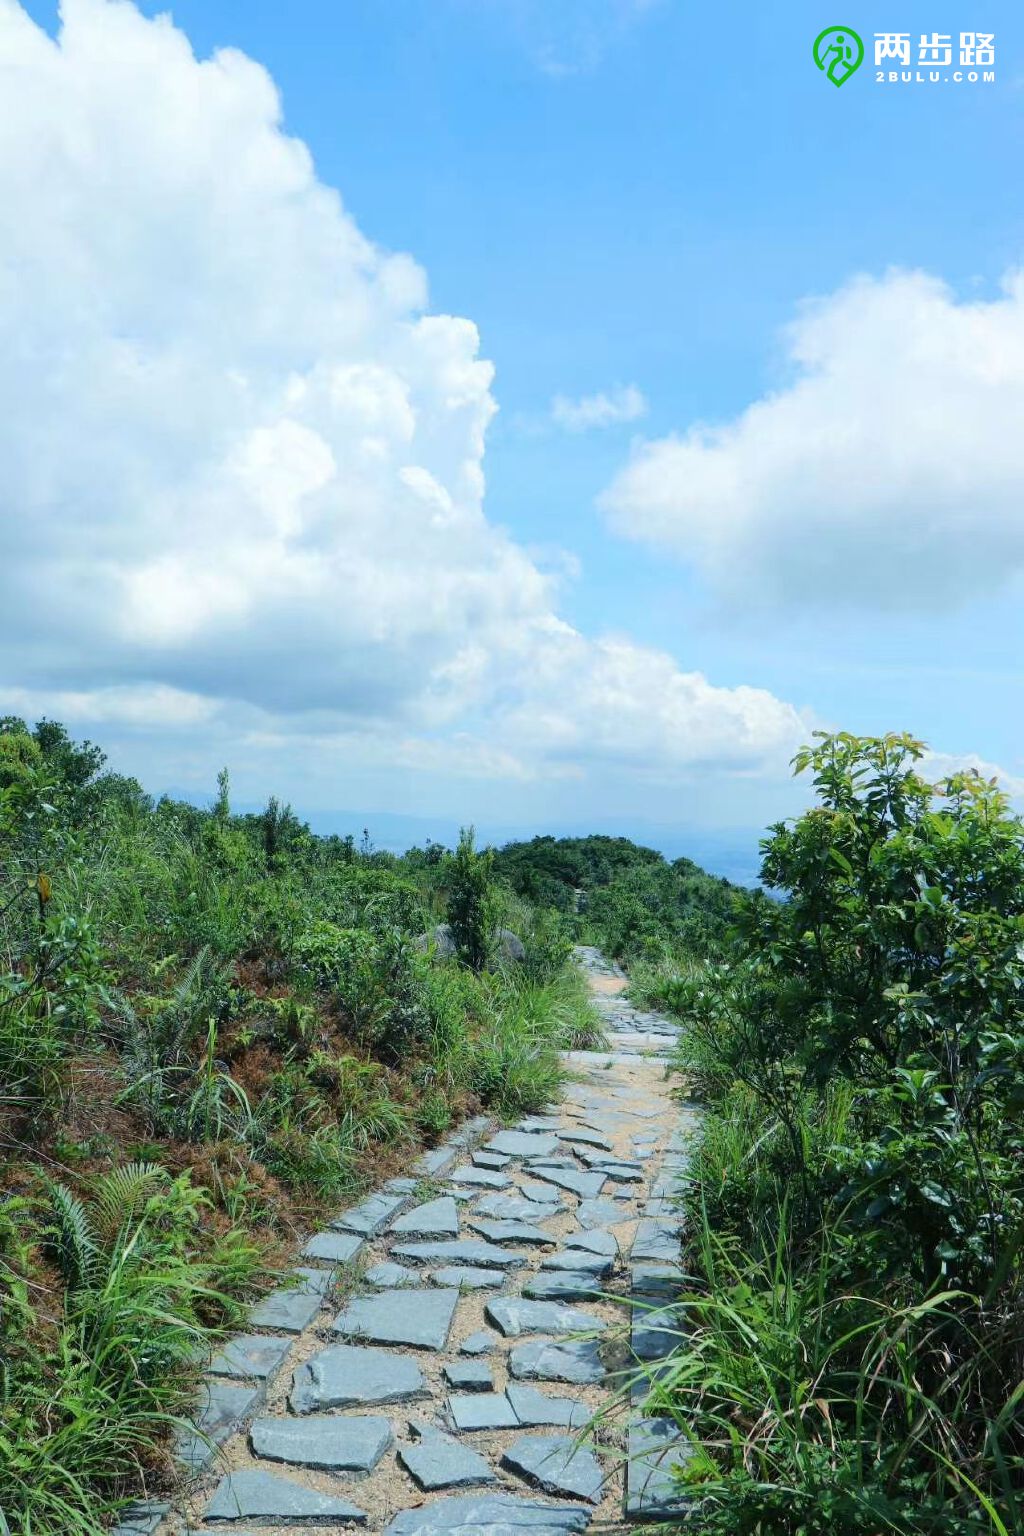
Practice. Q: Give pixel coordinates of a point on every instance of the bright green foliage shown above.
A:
(374, 977)
(78, 1415)
(858, 1200)
(233, 997)
(467, 875)
(627, 899)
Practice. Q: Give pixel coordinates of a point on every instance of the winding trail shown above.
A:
(451, 1336)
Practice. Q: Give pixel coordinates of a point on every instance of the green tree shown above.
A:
(468, 880)
(222, 805)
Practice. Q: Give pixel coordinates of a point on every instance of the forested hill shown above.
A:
(632, 899)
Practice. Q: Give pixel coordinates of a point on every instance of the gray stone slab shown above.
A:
(523, 1143)
(534, 1408)
(561, 1160)
(391, 1318)
(490, 1160)
(512, 1208)
(656, 1280)
(479, 1343)
(653, 1334)
(587, 1138)
(596, 1157)
(467, 1277)
(577, 1260)
(436, 1160)
(251, 1356)
(337, 1443)
(486, 1178)
(539, 1123)
(472, 1131)
(563, 1285)
(540, 1194)
(141, 1519)
(393, 1277)
(666, 1209)
(267, 1498)
(514, 1316)
(346, 1376)
(510, 1231)
(437, 1461)
(333, 1247)
(557, 1464)
(598, 1213)
(576, 1360)
(371, 1215)
(466, 1250)
(469, 1376)
(594, 1241)
(621, 1173)
(587, 1185)
(219, 1408)
(291, 1309)
(657, 1239)
(470, 1411)
(655, 1450)
(400, 1186)
(436, 1218)
(498, 1514)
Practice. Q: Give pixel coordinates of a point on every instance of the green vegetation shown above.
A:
(855, 1363)
(213, 1028)
(628, 900)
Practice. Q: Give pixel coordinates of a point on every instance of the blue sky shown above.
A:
(645, 194)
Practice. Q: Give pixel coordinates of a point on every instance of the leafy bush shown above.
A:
(470, 912)
(375, 978)
(857, 1199)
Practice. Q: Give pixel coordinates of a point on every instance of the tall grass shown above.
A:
(815, 1410)
(77, 1429)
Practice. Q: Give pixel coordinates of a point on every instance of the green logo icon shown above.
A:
(839, 52)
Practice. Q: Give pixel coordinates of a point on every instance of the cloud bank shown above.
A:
(886, 473)
(243, 462)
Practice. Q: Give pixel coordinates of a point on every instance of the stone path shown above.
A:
(437, 1364)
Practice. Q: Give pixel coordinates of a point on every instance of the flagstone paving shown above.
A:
(459, 1329)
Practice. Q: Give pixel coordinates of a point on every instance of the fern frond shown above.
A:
(119, 1196)
(73, 1239)
(191, 982)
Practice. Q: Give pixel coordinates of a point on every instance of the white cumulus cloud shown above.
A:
(243, 462)
(600, 410)
(887, 471)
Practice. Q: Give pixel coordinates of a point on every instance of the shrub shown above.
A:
(858, 1197)
(467, 875)
(375, 978)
